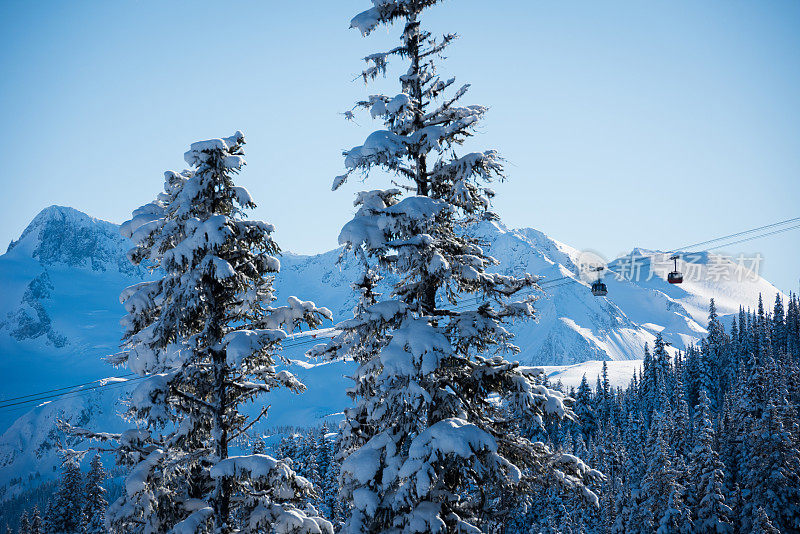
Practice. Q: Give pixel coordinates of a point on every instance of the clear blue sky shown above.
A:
(624, 124)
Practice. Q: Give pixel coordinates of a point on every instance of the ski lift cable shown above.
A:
(28, 407)
(751, 238)
(71, 394)
(730, 243)
(709, 241)
(42, 396)
(737, 234)
(649, 259)
(723, 245)
(566, 280)
(66, 387)
(110, 382)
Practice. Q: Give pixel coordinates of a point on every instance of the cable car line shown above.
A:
(65, 394)
(675, 277)
(749, 238)
(72, 394)
(545, 283)
(65, 387)
(737, 234)
(43, 397)
(568, 279)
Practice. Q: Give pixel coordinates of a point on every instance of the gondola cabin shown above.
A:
(599, 289)
(675, 277)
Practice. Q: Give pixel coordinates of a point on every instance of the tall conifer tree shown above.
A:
(434, 436)
(203, 337)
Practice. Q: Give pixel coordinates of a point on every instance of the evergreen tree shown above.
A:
(772, 476)
(327, 487)
(584, 409)
(288, 449)
(94, 511)
(203, 337)
(424, 447)
(762, 523)
(677, 517)
(708, 361)
(258, 446)
(647, 383)
(691, 375)
(604, 390)
(312, 469)
(662, 371)
(742, 327)
(660, 477)
(655, 379)
(682, 428)
(49, 516)
(36, 525)
(793, 327)
(761, 331)
(779, 337)
(712, 514)
(24, 524)
(333, 504)
(732, 357)
(67, 510)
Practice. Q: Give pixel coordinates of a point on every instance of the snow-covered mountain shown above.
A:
(59, 305)
(59, 315)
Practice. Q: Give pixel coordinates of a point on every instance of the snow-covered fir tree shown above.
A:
(585, 410)
(762, 523)
(66, 513)
(49, 513)
(434, 438)
(203, 338)
(712, 356)
(24, 524)
(711, 513)
(677, 516)
(772, 470)
(660, 478)
(94, 508)
(316, 443)
(37, 523)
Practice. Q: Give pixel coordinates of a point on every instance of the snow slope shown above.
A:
(619, 372)
(59, 315)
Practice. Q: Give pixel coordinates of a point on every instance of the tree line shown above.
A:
(75, 505)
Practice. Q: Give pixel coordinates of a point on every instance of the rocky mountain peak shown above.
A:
(61, 235)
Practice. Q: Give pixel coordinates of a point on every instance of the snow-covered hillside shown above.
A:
(59, 315)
